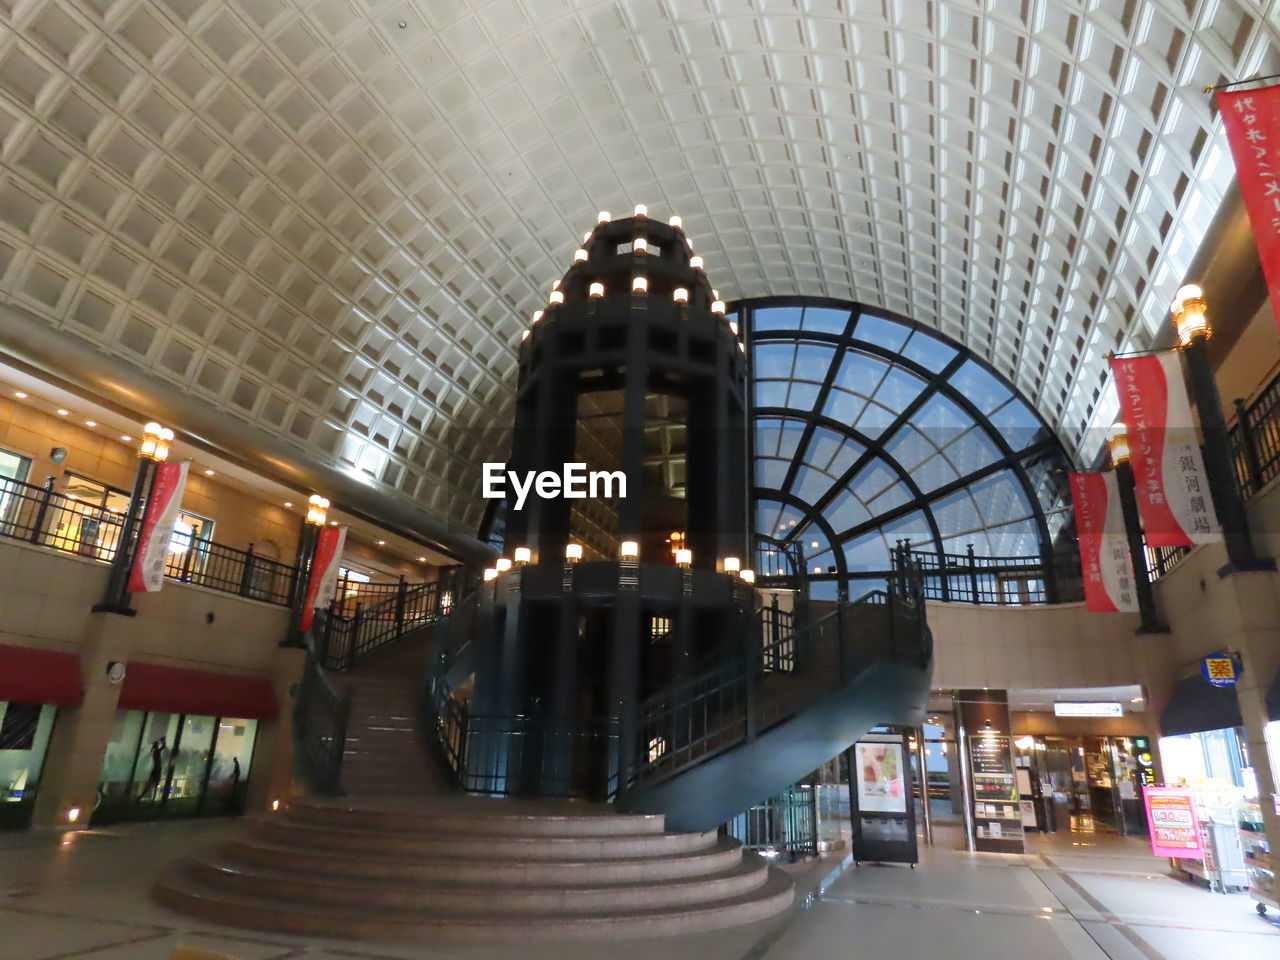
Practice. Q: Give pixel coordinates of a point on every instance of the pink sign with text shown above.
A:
(1171, 818)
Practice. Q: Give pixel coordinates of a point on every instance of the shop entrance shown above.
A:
(167, 765)
(1084, 784)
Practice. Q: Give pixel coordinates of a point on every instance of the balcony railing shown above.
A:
(1014, 581)
(40, 516)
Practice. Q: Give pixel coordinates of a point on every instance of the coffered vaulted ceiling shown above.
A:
(332, 219)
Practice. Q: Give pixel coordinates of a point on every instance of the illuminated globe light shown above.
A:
(537, 315)
(747, 576)
(732, 564)
(579, 255)
(556, 297)
(640, 245)
(641, 210)
(523, 554)
(490, 574)
(675, 222)
(503, 564)
(717, 306)
(1118, 443)
(629, 550)
(586, 237)
(524, 335)
(680, 295)
(684, 558)
(639, 284)
(603, 216)
(1190, 315)
(733, 327)
(695, 262)
(573, 552)
(596, 290)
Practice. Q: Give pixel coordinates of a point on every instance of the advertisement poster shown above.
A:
(1174, 828)
(163, 505)
(1104, 549)
(1252, 121)
(1164, 450)
(881, 785)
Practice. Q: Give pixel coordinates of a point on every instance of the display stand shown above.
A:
(994, 813)
(881, 810)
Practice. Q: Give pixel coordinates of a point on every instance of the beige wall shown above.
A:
(1045, 724)
(1030, 647)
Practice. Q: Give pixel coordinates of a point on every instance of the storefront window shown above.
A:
(24, 737)
(171, 765)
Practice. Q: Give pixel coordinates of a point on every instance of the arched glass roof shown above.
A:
(869, 429)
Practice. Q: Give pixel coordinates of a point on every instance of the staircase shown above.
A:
(464, 869)
(383, 753)
(747, 729)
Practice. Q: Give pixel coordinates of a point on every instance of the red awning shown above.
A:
(149, 686)
(29, 675)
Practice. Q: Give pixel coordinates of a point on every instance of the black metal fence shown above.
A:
(43, 517)
(969, 578)
(785, 825)
(1255, 439)
(320, 716)
(344, 639)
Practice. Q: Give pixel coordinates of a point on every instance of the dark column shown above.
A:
(1218, 462)
(298, 595)
(1133, 534)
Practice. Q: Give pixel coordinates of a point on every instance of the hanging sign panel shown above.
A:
(324, 571)
(1168, 470)
(1104, 549)
(1174, 827)
(1252, 121)
(163, 504)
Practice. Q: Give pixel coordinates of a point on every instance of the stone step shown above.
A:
(467, 816)
(434, 898)
(724, 854)
(289, 832)
(181, 891)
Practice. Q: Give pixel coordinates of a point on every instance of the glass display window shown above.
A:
(24, 737)
(162, 765)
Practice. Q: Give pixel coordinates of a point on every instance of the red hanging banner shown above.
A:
(1104, 551)
(324, 571)
(163, 503)
(1168, 470)
(1252, 119)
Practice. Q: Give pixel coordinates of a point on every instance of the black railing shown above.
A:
(776, 673)
(785, 825)
(346, 639)
(1255, 439)
(320, 719)
(40, 516)
(970, 578)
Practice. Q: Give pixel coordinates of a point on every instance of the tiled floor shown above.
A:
(1102, 897)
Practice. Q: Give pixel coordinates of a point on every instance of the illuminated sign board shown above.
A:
(1088, 710)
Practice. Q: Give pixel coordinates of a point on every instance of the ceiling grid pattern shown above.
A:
(335, 227)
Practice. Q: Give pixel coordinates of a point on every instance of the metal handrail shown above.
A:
(717, 707)
(320, 713)
(347, 639)
(42, 517)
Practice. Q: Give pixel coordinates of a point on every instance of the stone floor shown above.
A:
(1081, 897)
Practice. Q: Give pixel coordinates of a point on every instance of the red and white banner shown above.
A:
(1168, 470)
(324, 571)
(1252, 119)
(1104, 550)
(163, 503)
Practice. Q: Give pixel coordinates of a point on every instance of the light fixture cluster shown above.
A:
(640, 249)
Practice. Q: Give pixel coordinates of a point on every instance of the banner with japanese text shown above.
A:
(1252, 120)
(163, 504)
(1104, 550)
(324, 572)
(1164, 451)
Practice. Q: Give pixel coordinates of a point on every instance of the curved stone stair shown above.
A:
(463, 869)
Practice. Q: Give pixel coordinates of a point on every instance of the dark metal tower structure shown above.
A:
(632, 368)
